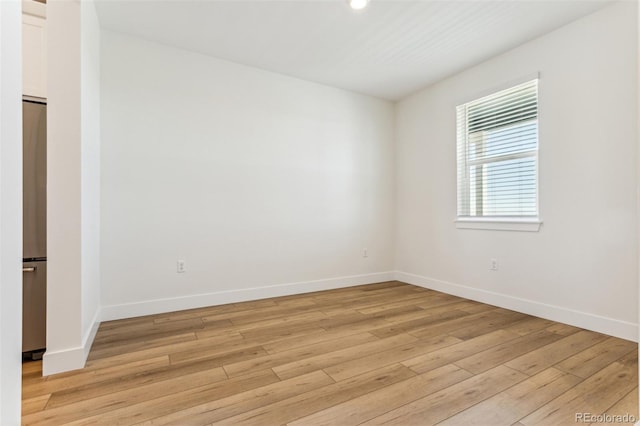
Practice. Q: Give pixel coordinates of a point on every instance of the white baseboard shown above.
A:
(91, 334)
(150, 307)
(72, 358)
(63, 360)
(610, 326)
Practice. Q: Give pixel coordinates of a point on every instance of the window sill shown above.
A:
(499, 224)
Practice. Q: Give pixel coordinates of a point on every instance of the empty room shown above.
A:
(336, 212)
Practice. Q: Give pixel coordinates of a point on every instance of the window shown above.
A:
(497, 138)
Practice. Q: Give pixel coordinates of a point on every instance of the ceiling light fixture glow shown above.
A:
(358, 4)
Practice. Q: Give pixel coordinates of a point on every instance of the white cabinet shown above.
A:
(34, 49)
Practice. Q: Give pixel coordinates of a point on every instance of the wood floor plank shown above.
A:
(502, 318)
(216, 410)
(333, 311)
(499, 354)
(233, 332)
(155, 330)
(341, 293)
(433, 330)
(148, 331)
(409, 300)
(441, 299)
(224, 398)
(398, 312)
(301, 301)
(220, 359)
(547, 356)
(366, 291)
(453, 353)
(182, 315)
(362, 324)
(373, 353)
(356, 302)
(626, 408)
(141, 345)
(489, 316)
(266, 313)
(306, 339)
(65, 414)
(57, 383)
(215, 344)
(528, 325)
(32, 367)
(282, 312)
(305, 352)
(564, 329)
(225, 334)
(141, 320)
(458, 304)
(593, 395)
(376, 403)
(393, 326)
(422, 317)
(310, 402)
(190, 313)
(342, 317)
(474, 307)
(447, 402)
(129, 380)
(281, 330)
(516, 402)
(589, 361)
(258, 324)
(353, 367)
(298, 367)
(362, 299)
(33, 378)
(35, 404)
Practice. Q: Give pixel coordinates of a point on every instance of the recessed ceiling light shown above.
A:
(358, 4)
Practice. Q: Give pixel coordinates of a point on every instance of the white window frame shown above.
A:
(499, 223)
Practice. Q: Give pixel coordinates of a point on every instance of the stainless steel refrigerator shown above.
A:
(34, 211)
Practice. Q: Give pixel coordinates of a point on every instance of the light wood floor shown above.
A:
(381, 353)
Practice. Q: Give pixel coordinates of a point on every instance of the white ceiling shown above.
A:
(388, 50)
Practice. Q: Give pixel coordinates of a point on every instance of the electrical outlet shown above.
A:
(181, 266)
(365, 253)
(493, 265)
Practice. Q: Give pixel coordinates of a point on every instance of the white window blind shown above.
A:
(497, 140)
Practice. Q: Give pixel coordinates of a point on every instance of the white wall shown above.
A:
(581, 267)
(638, 167)
(90, 168)
(63, 186)
(72, 184)
(254, 179)
(10, 212)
